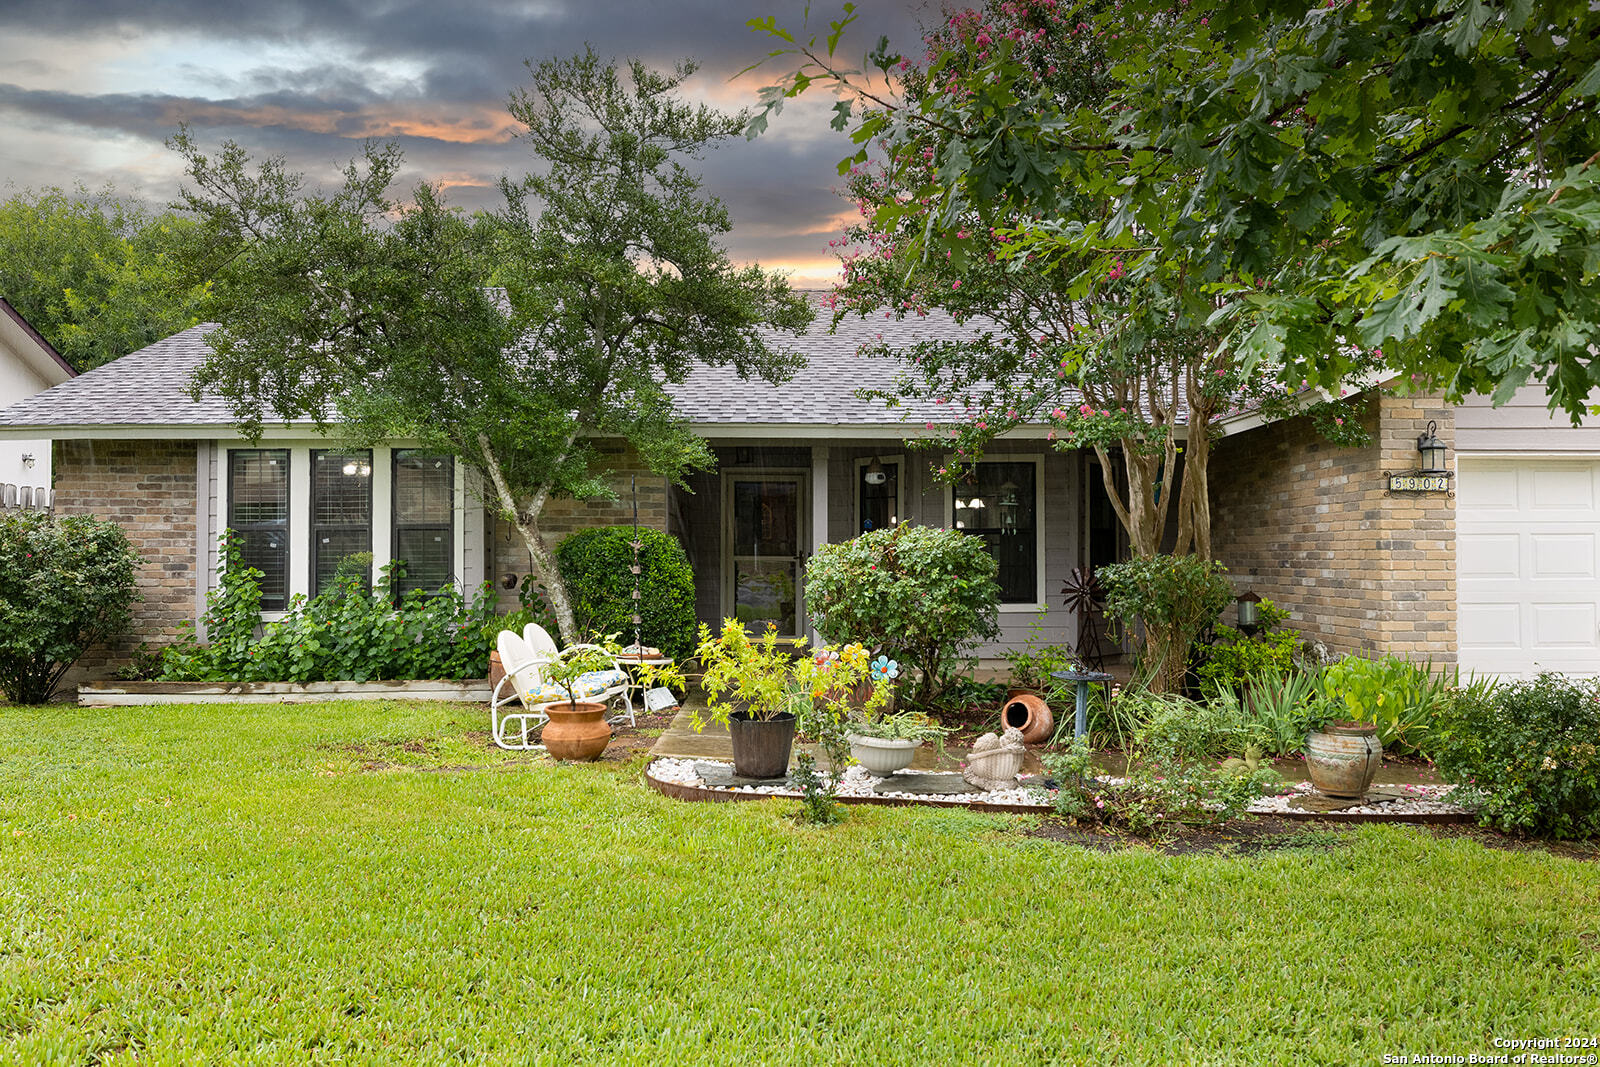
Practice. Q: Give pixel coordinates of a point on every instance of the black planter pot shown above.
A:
(761, 746)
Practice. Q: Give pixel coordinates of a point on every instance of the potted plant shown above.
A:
(1342, 756)
(883, 741)
(577, 730)
(749, 686)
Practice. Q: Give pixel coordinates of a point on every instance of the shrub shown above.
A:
(66, 584)
(1401, 698)
(596, 567)
(348, 633)
(1174, 728)
(1175, 597)
(1157, 793)
(1234, 657)
(924, 596)
(1528, 749)
(1033, 664)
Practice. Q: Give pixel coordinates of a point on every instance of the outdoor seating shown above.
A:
(524, 658)
(613, 683)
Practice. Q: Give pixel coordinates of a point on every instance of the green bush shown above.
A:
(1176, 729)
(1528, 750)
(595, 565)
(922, 595)
(1234, 657)
(348, 633)
(66, 585)
(1175, 597)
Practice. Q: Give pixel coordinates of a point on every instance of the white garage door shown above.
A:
(1528, 565)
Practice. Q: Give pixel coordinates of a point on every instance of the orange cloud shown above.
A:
(481, 124)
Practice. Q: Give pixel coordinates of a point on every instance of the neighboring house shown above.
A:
(28, 365)
(1307, 524)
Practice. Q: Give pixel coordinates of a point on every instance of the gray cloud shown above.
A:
(457, 62)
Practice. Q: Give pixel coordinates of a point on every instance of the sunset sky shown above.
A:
(89, 91)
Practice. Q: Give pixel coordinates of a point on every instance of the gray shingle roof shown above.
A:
(148, 387)
(143, 388)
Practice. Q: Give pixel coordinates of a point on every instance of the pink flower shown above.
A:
(956, 284)
(1085, 409)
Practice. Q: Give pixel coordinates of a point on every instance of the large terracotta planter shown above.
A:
(576, 731)
(1343, 758)
(497, 671)
(882, 756)
(1030, 714)
(761, 746)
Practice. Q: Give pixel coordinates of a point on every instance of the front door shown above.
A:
(764, 558)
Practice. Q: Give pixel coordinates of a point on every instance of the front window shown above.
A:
(424, 511)
(878, 494)
(258, 512)
(341, 518)
(999, 503)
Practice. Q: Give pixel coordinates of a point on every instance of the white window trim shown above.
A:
(899, 489)
(1037, 459)
(300, 511)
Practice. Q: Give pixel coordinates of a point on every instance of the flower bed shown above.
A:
(680, 778)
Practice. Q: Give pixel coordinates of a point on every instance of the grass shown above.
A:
(302, 884)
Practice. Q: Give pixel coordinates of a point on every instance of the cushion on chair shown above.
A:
(591, 684)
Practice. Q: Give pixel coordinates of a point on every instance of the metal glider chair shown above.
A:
(607, 685)
(525, 682)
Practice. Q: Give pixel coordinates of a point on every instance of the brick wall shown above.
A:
(508, 555)
(1312, 527)
(148, 487)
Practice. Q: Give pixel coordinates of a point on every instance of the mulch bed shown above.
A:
(1264, 834)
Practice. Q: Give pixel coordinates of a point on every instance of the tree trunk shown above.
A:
(543, 560)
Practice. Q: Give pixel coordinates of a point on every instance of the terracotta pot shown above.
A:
(1343, 758)
(1031, 715)
(497, 671)
(761, 746)
(576, 731)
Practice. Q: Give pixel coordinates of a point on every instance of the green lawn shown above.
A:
(251, 884)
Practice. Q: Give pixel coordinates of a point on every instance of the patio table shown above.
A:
(1080, 726)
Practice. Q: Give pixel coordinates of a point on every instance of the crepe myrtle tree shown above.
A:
(355, 308)
(1109, 362)
(1307, 186)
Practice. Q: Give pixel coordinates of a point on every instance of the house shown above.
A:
(1314, 527)
(28, 365)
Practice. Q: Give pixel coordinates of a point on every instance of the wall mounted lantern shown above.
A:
(1432, 450)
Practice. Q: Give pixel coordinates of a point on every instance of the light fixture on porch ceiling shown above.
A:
(1432, 450)
(1008, 506)
(875, 474)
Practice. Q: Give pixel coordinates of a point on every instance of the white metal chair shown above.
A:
(610, 684)
(523, 682)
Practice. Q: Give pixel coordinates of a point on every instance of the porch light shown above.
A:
(1008, 506)
(875, 474)
(1432, 450)
(1249, 612)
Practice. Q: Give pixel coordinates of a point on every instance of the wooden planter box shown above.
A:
(110, 694)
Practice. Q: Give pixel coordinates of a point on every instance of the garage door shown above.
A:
(1528, 565)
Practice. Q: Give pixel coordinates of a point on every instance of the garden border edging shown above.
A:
(125, 694)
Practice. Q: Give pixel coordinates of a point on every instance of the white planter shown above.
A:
(880, 756)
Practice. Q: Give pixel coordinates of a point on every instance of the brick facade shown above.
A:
(148, 488)
(509, 557)
(1313, 527)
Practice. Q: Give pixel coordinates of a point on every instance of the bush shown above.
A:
(1174, 728)
(595, 565)
(349, 633)
(922, 595)
(1234, 658)
(1175, 597)
(66, 585)
(1528, 749)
